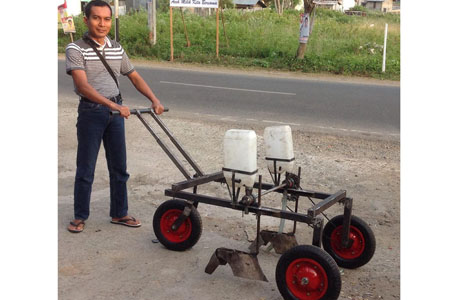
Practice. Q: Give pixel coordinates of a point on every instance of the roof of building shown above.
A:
(248, 2)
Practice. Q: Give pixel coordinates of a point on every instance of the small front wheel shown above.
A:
(186, 236)
(307, 272)
(361, 237)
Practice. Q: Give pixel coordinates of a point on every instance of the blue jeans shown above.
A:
(95, 124)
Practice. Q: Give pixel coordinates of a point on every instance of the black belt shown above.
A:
(114, 99)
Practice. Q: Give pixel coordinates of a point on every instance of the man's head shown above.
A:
(99, 3)
(98, 18)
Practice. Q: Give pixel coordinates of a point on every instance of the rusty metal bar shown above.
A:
(164, 147)
(181, 218)
(296, 210)
(298, 192)
(274, 189)
(346, 222)
(317, 232)
(197, 181)
(292, 191)
(258, 215)
(326, 203)
(266, 211)
(177, 144)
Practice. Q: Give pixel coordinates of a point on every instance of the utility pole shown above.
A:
(116, 8)
(383, 68)
(151, 8)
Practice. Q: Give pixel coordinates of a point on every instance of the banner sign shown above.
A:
(68, 25)
(67, 22)
(195, 3)
(62, 13)
(304, 29)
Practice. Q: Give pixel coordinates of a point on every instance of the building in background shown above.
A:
(340, 5)
(380, 5)
(249, 4)
(134, 5)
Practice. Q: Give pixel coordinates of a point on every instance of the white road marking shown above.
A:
(227, 88)
(277, 122)
(229, 118)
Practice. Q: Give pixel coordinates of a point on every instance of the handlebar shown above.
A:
(135, 111)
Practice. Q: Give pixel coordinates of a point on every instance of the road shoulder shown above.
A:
(142, 63)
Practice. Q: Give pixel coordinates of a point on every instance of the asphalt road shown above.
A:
(370, 109)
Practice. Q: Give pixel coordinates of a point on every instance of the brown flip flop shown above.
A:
(76, 226)
(124, 221)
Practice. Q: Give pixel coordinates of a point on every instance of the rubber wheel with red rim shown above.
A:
(306, 272)
(363, 242)
(186, 236)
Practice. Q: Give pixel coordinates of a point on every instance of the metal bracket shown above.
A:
(281, 242)
(317, 232)
(242, 264)
(180, 220)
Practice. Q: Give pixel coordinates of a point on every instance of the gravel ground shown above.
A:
(115, 262)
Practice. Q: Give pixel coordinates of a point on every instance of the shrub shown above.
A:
(339, 43)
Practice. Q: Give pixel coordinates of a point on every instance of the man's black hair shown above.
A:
(87, 9)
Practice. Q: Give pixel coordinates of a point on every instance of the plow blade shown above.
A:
(242, 264)
(281, 242)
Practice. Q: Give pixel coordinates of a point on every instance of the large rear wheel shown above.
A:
(186, 236)
(362, 240)
(307, 272)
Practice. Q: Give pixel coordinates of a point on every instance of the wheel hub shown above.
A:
(357, 245)
(175, 236)
(306, 279)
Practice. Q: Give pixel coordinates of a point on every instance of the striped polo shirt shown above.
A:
(81, 56)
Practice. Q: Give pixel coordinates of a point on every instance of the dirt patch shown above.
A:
(115, 262)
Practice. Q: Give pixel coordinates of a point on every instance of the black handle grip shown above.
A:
(134, 111)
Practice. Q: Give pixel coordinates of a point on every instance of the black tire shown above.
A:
(308, 272)
(187, 234)
(362, 249)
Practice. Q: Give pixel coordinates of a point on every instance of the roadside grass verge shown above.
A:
(339, 44)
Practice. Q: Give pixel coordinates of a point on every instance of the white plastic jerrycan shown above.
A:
(240, 157)
(279, 148)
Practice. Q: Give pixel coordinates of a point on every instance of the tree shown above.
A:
(280, 5)
(309, 9)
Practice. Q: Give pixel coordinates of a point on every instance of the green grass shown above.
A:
(339, 44)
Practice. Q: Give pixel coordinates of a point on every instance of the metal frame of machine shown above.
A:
(303, 272)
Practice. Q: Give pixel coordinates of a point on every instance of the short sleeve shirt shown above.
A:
(81, 56)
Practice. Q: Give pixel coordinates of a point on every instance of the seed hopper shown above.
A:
(307, 272)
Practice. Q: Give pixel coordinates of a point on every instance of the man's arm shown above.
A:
(80, 79)
(145, 90)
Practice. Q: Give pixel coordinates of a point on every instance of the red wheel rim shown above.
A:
(306, 279)
(357, 247)
(182, 233)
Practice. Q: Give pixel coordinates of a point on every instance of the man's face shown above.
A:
(99, 22)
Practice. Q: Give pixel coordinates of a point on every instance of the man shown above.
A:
(99, 94)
